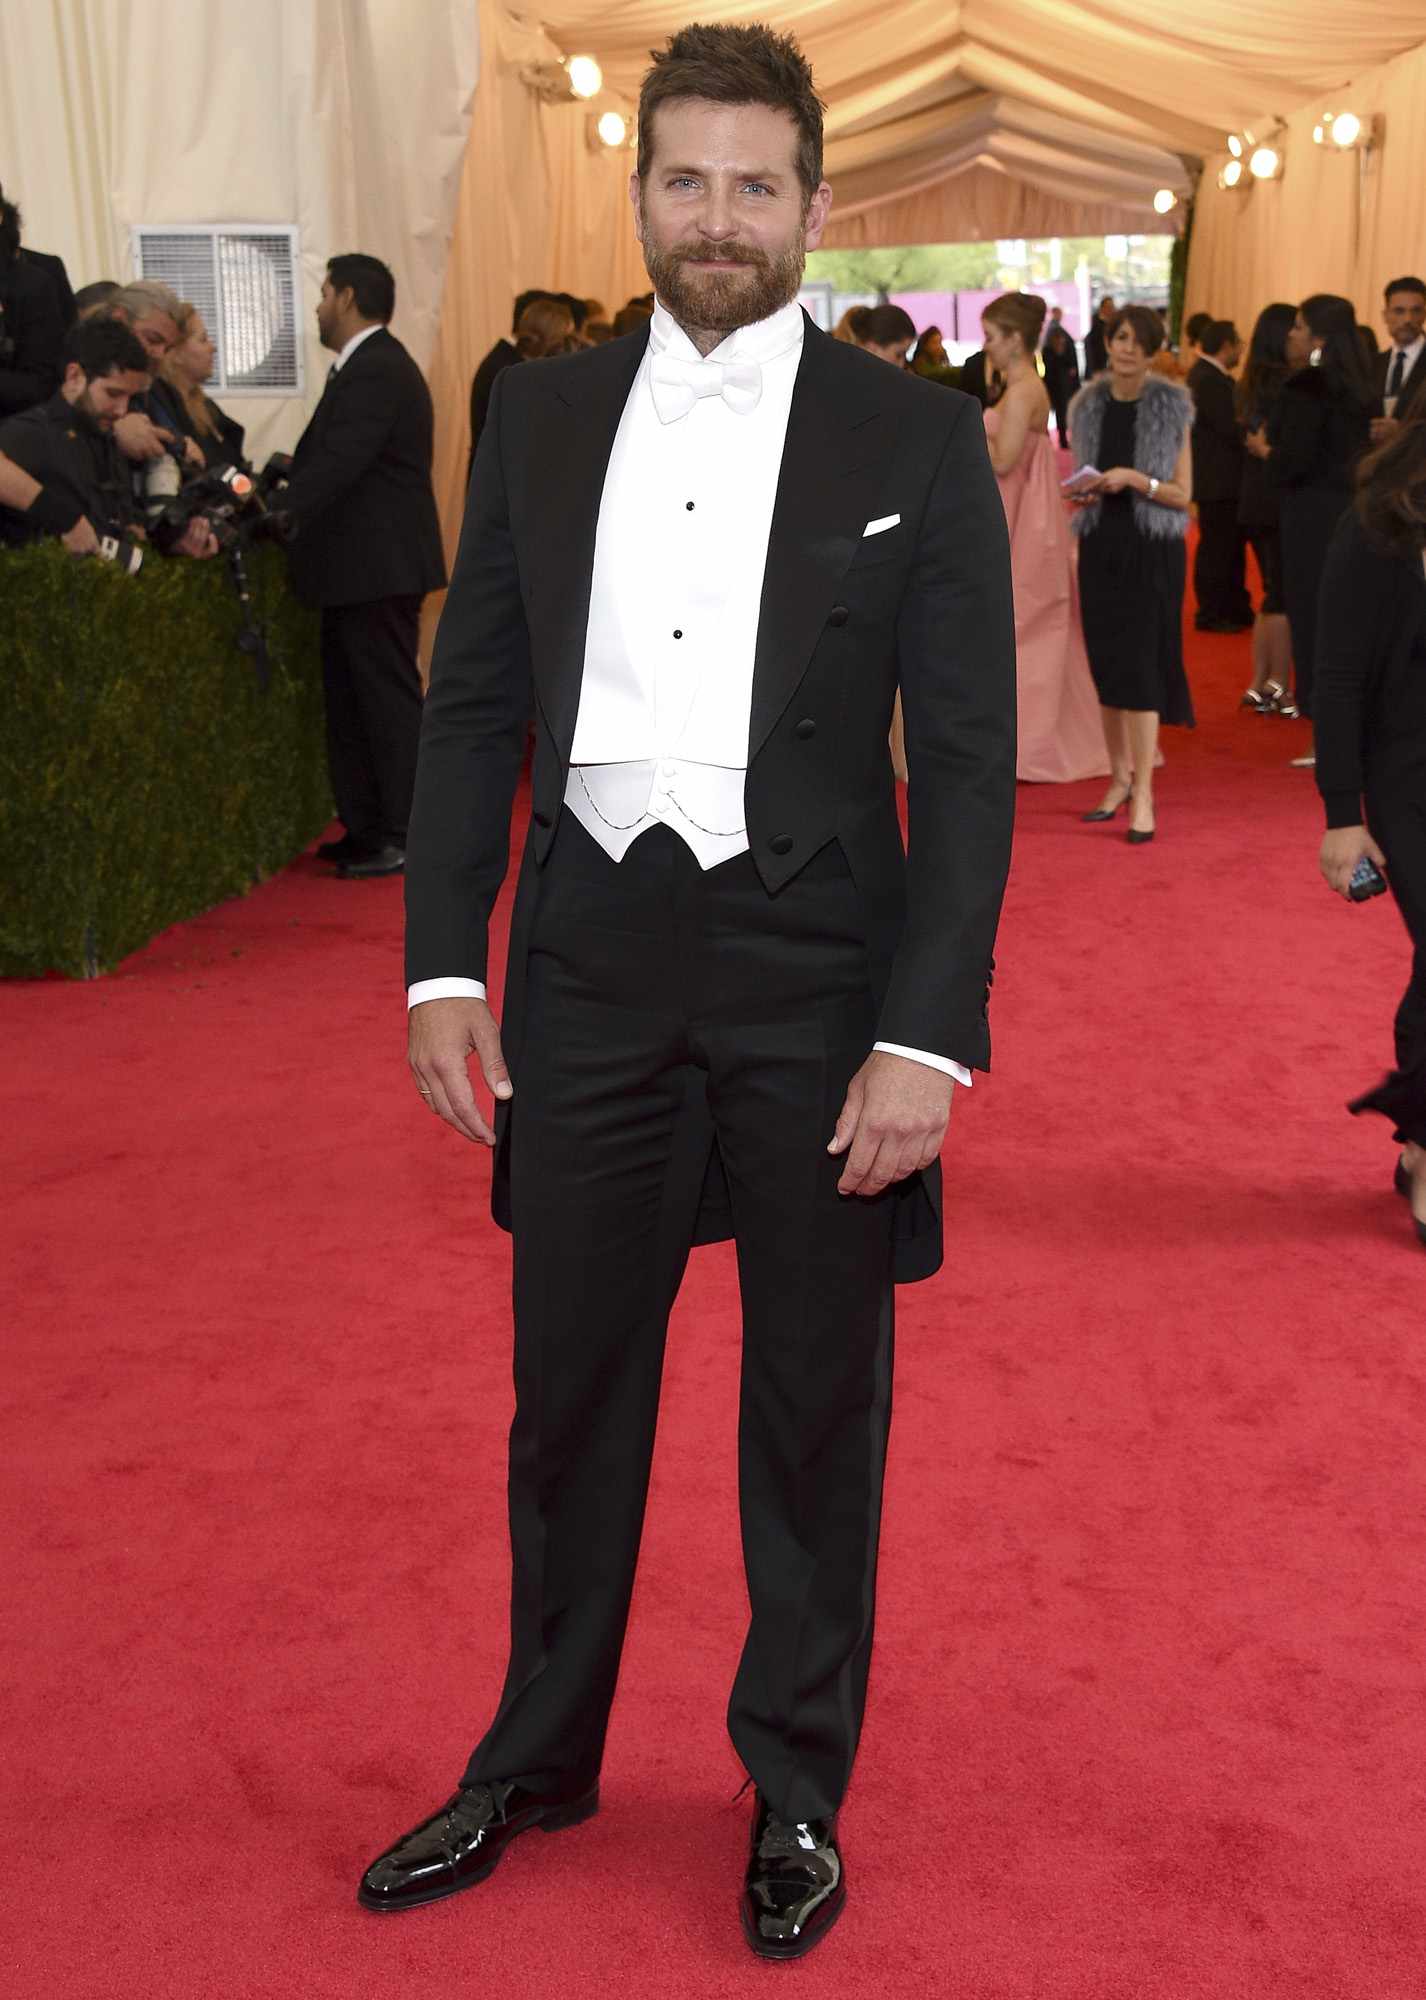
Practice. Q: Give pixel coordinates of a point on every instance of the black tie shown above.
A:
(1398, 369)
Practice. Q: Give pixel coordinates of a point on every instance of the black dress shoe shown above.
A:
(376, 861)
(463, 1843)
(345, 849)
(795, 1886)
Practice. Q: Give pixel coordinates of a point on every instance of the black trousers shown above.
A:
(373, 696)
(1398, 823)
(1220, 583)
(654, 988)
(1060, 397)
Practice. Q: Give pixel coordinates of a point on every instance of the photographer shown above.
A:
(68, 444)
(151, 311)
(1370, 715)
(31, 322)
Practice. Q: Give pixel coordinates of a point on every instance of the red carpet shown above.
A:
(1146, 1720)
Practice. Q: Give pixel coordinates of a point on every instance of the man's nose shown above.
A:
(716, 219)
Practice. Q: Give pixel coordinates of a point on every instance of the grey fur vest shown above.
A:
(1165, 414)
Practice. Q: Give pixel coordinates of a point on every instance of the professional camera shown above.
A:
(236, 509)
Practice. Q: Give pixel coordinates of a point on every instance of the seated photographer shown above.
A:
(68, 444)
(151, 312)
(31, 322)
(178, 401)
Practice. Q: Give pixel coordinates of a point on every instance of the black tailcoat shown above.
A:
(845, 620)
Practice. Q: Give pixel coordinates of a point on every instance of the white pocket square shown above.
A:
(880, 527)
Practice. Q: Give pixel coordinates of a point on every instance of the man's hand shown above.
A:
(81, 539)
(197, 540)
(1257, 443)
(138, 437)
(893, 1121)
(442, 1036)
(1384, 428)
(1342, 848)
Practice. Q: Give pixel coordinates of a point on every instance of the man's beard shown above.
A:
(754, 286)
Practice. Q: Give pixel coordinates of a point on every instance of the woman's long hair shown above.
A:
(1391, 491)
(1333, 322)
(1267, 364)
(191, 394)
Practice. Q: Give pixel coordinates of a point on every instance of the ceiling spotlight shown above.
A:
(586, 78)
(613, 128)
(1347, 131)
(1235, 146)
(1165, 202)
(1231, 175)
(1265, 163)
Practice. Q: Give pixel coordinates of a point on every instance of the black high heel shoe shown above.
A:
(1110, 812)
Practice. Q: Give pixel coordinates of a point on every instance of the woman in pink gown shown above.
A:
(1061, 739)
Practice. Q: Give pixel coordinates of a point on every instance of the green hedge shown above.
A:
(144, 774)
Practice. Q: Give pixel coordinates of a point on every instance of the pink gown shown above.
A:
(1061, 738)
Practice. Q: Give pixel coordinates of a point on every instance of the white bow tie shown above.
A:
(677, 385)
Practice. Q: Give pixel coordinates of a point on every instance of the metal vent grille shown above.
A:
(243, 279)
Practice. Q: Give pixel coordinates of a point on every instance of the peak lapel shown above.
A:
(831, 462)
(580, 420)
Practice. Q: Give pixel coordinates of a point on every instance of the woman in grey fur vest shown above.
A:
(1133, 426)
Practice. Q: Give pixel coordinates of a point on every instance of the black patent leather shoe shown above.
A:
(795, 1887)
(463, 1843)
(377, 861)
(345, 849)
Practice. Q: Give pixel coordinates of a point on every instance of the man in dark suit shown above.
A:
(368, 549)
(1220, 564)
(1096, 341)
(32, 322)
(1401, 366)
(706, 556)
(503, 355)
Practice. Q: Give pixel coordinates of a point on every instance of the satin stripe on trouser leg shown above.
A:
(650, 983)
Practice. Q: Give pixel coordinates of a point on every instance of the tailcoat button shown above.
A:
(781, 843)
(838, 615)
(807, 727)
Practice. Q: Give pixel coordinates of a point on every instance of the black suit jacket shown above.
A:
(1412, 400)
(845, 619)
(361, 484)
(31, 318)
(1096, 347)
(1218, 452)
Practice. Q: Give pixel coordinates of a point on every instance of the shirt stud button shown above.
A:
(678, 635)
(688, 505)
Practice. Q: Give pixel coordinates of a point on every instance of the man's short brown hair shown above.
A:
(728, 64)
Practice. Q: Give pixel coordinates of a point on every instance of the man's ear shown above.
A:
(636, 198)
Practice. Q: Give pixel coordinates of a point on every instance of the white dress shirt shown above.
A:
(350, 347)
(665, 700)
(1409, 357)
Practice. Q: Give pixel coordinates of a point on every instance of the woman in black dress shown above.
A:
(179, 399)
(1317, 432)
(1371, 745)
(1260, 509)
(1133, 426)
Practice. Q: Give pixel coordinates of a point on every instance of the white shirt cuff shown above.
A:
(444, 989)
(942, 1063)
